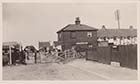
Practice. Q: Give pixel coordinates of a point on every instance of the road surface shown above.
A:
(75, 70)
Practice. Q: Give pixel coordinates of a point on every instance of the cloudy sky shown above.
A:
(30, 23)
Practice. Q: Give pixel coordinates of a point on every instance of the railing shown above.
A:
(66, 56)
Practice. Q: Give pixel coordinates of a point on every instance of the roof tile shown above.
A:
(116, 32)
(74, 27)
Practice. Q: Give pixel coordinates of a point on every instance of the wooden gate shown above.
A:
(92, 54)
(104, 55)
(115, 53)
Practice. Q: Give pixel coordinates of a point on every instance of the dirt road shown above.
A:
(76, 70)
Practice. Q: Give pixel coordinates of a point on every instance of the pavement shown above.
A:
(79, 69)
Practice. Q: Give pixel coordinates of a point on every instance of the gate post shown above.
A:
(10, 55)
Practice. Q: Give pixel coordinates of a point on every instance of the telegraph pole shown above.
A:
(117, 14)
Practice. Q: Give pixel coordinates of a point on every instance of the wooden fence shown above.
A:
(126, 55)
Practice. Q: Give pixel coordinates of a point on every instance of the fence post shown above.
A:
(10, 55)
(65, 54)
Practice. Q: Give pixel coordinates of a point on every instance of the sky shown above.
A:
(30, 23)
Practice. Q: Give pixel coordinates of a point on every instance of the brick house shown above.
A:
(78, 35)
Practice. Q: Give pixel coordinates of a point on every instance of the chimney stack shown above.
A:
(130, 27)
(77, 21)
(103, 27)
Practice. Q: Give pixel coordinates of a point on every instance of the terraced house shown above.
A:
(123, 36)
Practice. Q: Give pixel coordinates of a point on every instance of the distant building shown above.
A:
(55, 43)
(7, 45)
(7, 51)
(77, 35)
(44, 45)
(118, 36)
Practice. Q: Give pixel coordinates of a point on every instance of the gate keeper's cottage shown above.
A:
(77, 35)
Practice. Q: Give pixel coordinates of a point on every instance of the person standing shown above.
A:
(35, 57)
(22, 57)
(13, 54)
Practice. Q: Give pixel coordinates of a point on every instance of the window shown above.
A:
(114, 38)
(128, 37)
(90, 46)
(59, 35)
(104, 38)
(73, 35)
(89, 34)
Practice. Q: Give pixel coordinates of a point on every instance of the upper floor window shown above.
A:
(59, 35)
(89, 34)
(72, 34)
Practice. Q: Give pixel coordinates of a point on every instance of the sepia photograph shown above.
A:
(69, 41)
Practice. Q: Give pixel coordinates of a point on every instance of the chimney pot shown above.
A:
(131, 27)
(77, 21)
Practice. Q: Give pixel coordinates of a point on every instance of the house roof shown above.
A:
(7, 44)
(116, 32)
(75, 27)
